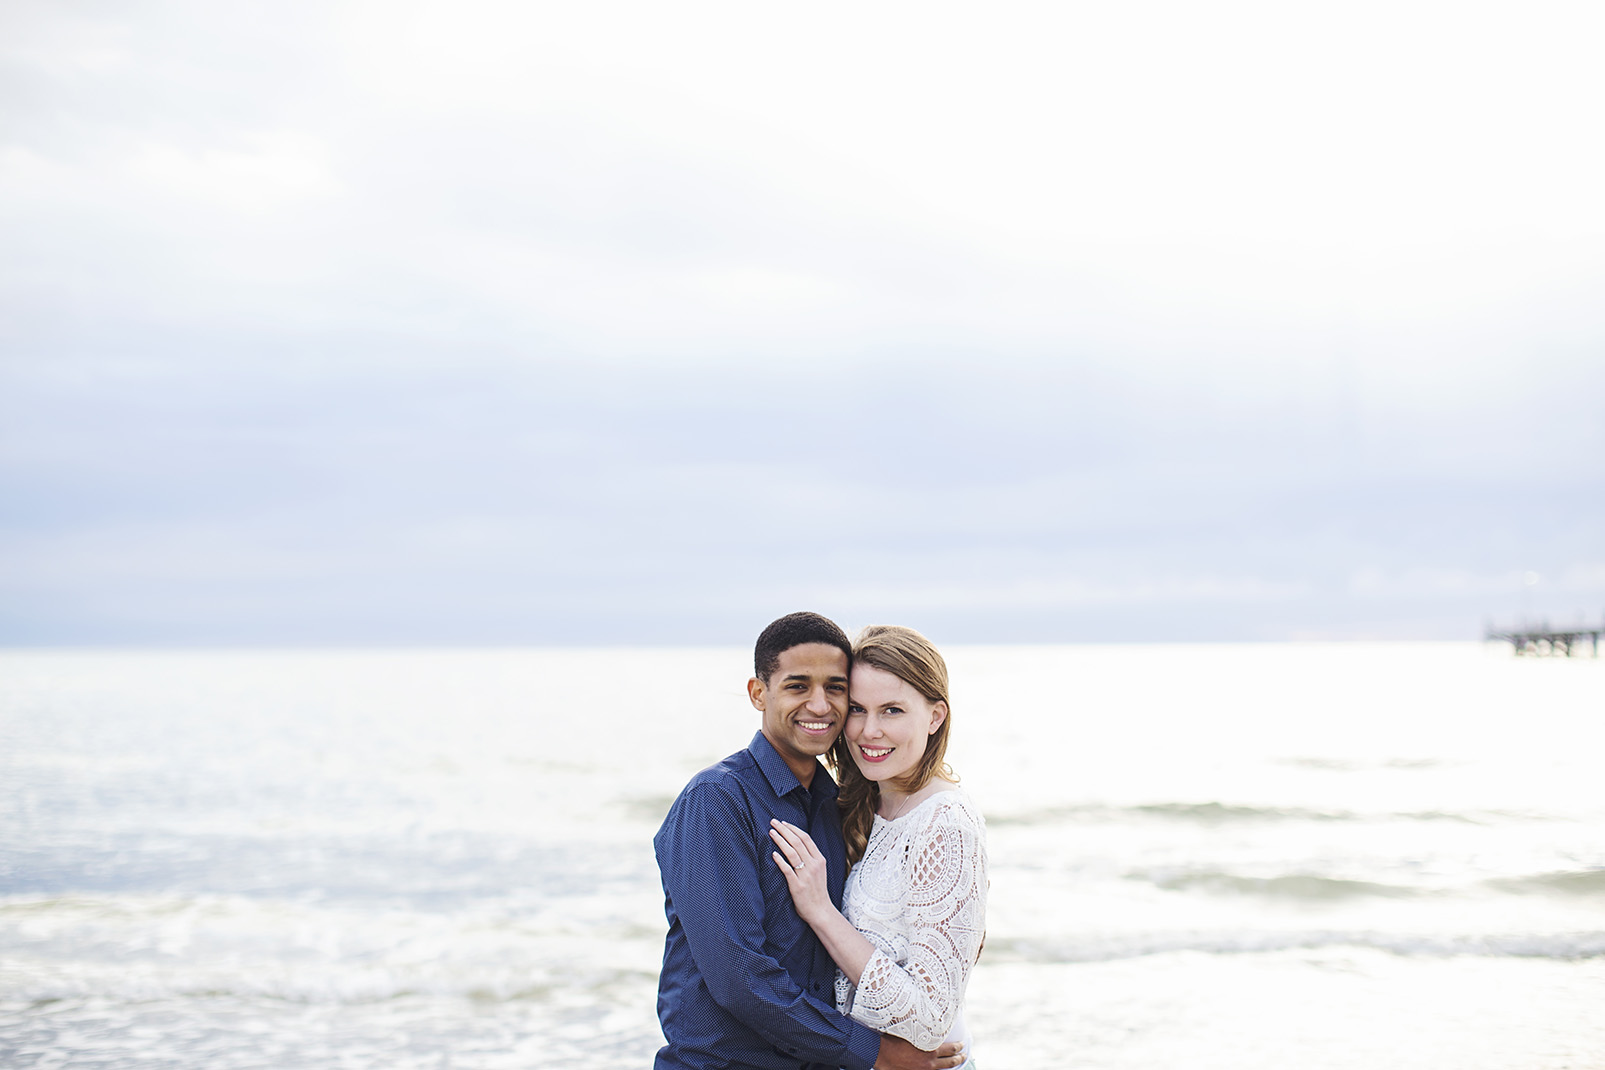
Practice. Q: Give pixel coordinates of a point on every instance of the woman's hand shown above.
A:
(806, 874)
(805, 871)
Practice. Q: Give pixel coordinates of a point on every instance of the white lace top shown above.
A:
(919, 895)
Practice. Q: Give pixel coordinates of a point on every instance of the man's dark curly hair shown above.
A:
(795, 629)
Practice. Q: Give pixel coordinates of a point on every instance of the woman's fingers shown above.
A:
(788, 843)
(813, 848)
(792, 840)
(799, 851)
(797, 838)
(786, 850)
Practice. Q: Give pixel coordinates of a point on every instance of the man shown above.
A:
(746, 985)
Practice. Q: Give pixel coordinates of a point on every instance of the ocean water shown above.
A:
(1245, 856)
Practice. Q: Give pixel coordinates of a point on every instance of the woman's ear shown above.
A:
(938, 715)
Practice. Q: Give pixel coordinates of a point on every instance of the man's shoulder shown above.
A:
(727, 773)
(742, 761)
(729, 777)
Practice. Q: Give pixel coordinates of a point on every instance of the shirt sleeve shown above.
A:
(712, 880)
(945, 913)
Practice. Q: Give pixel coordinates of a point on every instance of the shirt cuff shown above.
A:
(863, 1046)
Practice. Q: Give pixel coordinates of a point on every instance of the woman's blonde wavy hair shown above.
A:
(913, 659)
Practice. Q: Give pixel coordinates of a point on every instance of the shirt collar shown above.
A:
(779, 774)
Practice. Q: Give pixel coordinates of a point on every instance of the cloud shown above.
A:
(628, 180)
(589, 504)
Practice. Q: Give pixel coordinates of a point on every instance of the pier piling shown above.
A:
(1545, 641)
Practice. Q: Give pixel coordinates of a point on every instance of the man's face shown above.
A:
(804, 704)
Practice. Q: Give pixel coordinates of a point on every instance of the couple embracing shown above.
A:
(815, 926)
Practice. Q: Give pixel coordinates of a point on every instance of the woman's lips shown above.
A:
(875, 754)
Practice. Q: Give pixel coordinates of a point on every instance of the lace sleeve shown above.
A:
(945, 914)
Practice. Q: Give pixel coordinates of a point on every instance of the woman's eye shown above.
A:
(894, 709)
(852, 709)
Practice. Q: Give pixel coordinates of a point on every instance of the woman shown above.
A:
(915, 900)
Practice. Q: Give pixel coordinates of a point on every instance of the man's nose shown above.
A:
(819, 702)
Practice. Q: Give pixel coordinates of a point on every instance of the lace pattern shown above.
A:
(919, 895)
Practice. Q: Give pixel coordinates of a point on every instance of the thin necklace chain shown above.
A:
(900, 809)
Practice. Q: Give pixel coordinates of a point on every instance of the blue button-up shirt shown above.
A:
(746, 984)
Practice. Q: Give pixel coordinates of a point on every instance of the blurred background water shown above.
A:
(1324, 855)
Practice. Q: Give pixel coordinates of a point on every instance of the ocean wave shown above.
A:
(646, 808)
(39, 982)
(1316, 888)
(153, 948)
(1561, 946)
(1217, 813)
(321, 993)
(1581, 882)
(434, 871)
(1307, 887)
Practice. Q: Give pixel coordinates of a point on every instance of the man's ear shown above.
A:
(755, 692)
(938, 715)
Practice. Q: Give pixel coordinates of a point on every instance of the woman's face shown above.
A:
(888, 723)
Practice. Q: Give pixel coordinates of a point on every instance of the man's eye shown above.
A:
(836, 688)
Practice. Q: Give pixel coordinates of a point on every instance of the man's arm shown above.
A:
(898, 1054)
(711, 875)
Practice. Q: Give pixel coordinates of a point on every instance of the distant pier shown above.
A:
(1545, 641)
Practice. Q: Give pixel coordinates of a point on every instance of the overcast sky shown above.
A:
(508, 322)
